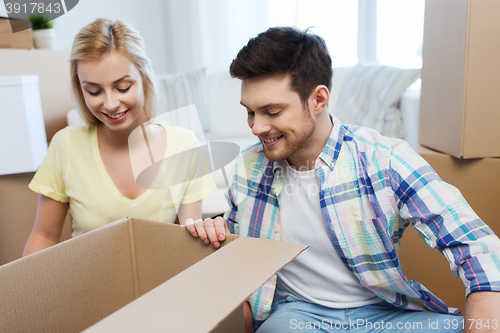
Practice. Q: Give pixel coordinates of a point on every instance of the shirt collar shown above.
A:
(331, 151)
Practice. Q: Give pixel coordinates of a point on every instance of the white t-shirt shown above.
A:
(317, 275)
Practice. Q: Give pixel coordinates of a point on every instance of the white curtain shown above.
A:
(209, 33)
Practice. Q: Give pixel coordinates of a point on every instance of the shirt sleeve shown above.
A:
(49, 178)
(232, 214)
(444, 220)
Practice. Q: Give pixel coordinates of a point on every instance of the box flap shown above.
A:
(162, 250)
(69, 286)
(229, 276)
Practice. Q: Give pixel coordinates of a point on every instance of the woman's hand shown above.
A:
(189, 211)
(50, 216)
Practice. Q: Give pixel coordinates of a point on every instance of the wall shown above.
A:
(148, 17)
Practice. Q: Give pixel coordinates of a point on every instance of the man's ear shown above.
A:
(318, 100)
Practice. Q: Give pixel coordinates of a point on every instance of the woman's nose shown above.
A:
(111, 102)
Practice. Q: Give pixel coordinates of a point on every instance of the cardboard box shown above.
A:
(112, 279)
(479, 181)
(10, 40)
(461, 78)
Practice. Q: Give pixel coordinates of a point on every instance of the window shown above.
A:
(400, 29)
(388, 32)
(334, 20)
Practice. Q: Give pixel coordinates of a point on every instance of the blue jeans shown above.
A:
(291, 315)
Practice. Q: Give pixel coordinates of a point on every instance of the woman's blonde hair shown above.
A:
(103, 37)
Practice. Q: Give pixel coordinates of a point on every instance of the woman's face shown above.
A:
(113, 91)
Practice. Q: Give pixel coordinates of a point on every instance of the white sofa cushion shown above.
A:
(181, 90)
(370, 97)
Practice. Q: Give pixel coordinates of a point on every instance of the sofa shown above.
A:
(221, 117)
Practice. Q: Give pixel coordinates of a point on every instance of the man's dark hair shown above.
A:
(281, 50)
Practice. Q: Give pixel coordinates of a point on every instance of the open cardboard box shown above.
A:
(112, 279)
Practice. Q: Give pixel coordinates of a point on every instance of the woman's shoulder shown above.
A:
(180, 134)
(74, 134)
(74, 131)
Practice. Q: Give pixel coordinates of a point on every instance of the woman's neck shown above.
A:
(118, 139)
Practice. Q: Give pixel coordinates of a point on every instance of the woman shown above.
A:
(89, 169)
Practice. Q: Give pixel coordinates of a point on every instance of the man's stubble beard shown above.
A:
(306, 131)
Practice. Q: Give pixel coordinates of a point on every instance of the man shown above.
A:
(349, 193)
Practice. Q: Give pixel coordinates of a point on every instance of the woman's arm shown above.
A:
(192, 210)
(48, 226)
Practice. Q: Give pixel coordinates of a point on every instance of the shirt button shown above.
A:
(266, 301)
(276, 230)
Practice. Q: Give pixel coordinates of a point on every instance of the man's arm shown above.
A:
(446, 222)
(482, 312)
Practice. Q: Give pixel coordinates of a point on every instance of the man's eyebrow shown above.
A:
(265, 106)
(95, 84)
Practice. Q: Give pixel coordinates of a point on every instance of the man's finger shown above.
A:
(221, 228)
(200, 228)
(211, 232)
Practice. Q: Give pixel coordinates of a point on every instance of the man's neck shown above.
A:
(305, 159)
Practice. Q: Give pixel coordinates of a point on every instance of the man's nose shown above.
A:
(260, 126)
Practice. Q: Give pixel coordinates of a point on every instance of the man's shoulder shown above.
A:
(253, 151)
(367, 140)
(253, 160)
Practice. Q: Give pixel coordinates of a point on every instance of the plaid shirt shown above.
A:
(371, 188)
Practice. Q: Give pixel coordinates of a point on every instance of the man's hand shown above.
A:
(209, 231)
(481, 312)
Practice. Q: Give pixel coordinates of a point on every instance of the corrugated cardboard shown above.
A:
(461, 78)
(479, 181)
(10, 40)
(112, 279)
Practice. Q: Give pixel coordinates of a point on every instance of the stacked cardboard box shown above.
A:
(112, 279)
(10, 40)
(459, 110)
(459, 117)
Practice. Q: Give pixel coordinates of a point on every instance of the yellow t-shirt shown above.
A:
(73, 172)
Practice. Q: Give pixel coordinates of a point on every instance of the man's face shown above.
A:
(276, 116)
